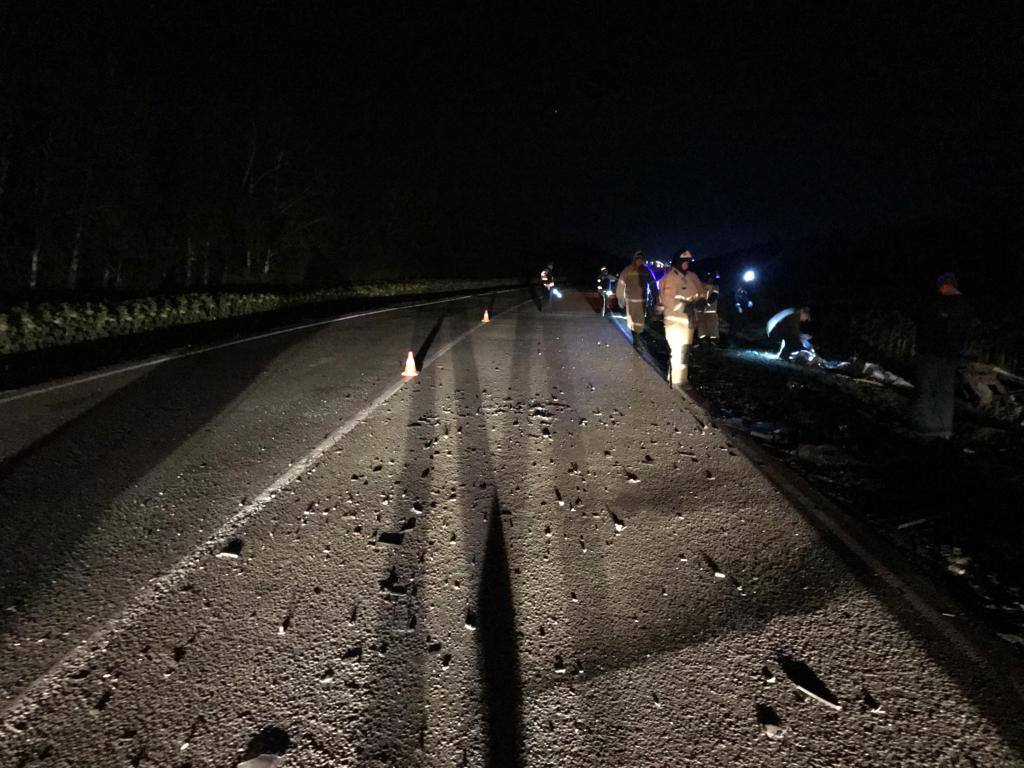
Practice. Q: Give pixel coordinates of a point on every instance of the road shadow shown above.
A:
(397, 708)
(499, 655)
(428, 340)
(493, 603)
(55, 492)
(571, 447)
(535, 296)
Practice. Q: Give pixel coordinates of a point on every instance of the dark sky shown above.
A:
(717, 125)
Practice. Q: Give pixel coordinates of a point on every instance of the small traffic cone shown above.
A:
(487, 317)
(410, 367)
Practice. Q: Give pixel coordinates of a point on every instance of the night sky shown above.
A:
(716, 125)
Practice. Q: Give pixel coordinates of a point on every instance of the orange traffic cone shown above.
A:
(410, 367)
(487, 317)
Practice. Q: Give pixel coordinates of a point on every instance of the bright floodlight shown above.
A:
(749, 276)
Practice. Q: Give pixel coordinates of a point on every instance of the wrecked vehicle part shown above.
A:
(994, 391)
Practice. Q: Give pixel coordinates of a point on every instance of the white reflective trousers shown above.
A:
(678, 290)
(679, 335)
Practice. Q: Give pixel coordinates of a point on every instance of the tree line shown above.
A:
(134, 196)
(115, 180)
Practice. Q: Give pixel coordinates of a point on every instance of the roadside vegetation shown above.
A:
(28, 327)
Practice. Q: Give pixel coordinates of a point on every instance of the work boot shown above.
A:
(636, 339)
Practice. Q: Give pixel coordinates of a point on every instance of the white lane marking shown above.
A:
(620, 324)
(43, 687)
(202, 350)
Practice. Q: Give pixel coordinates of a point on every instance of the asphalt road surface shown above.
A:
(534, 553)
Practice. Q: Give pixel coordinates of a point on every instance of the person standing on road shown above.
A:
(680, 289)
(547, 277)
(604, 286)
(941, 334)
(632, 294)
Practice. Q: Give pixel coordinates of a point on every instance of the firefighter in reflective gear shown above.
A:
(631, 291)
(680, 289)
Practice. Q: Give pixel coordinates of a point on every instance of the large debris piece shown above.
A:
(994, 391)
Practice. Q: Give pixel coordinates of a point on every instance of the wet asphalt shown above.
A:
(533, 553)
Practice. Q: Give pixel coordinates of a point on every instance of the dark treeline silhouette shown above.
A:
(152, 156)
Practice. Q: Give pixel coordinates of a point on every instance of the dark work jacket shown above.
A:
(943, 326)
(787, 329)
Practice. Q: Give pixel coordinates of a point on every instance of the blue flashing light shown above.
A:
(654, 277)
(749, 276)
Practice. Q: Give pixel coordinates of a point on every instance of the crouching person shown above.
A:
(785, 329)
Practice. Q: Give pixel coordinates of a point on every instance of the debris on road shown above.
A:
(619, 524)
(391, 585)
(763, 431)
(263, 761)
(912, 523)
(1012, 639)
(266, 749)
(956, 561)
(770, 722)
(995, 391)
(870, 703)
(232, 550)
(806, 681)
(713, 566)
(579, 647)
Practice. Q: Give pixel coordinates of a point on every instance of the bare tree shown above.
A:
(41, 194)
(5, 164)
(257, 208)
(189, 257)
(76, 243)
